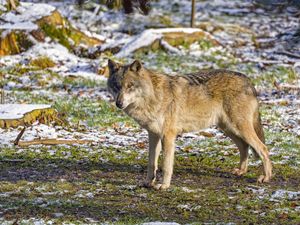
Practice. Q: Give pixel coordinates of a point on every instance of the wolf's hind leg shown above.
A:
(244, 152)
(154, 150)
(249, 135)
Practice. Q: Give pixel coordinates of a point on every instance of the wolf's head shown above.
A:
(127, 83)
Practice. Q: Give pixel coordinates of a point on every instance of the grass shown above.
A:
(92, 179)
(277, 74)
(164, 62)
(81, 184)
(100, 183)
(93, 112)
(42, 62)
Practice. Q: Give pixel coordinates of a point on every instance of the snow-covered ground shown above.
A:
(246, 41)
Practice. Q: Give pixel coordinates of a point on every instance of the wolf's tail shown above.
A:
(259, 131)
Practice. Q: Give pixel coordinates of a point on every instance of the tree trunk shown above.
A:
(12, 4)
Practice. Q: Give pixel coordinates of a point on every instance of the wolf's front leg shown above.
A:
(168, 145)
(154, 150)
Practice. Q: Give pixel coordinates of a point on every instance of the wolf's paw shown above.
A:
(161, 186)
(263, 179)
(147, 184)
(239, 172)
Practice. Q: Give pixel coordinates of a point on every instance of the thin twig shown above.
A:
(16, 142)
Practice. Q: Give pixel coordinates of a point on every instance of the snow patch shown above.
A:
(28, 12)
(17, 111)
(284, 194)
(2, 5)
(19, 26)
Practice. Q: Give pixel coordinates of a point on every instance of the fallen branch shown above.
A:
(52, 142)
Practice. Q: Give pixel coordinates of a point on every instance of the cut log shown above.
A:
(151, 39)
(14, 115)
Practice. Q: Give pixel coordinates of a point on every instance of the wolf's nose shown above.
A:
(119, 104)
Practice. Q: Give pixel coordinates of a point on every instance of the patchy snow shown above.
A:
(108, 137)
(19, 26)
(115, 27)
(115, 43)
(28, 12)
(93, 35)
(3, 5)
(66, 63)
(284, 194)
(275, 196)
(17, 111)
(84, 194)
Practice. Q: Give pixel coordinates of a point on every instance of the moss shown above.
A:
(205, 44)
(59, 34)
(80, 38)
(165, 20)
(58, 28)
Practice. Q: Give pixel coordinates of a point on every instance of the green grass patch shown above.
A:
(42, 62)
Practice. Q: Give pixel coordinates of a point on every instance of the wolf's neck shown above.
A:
(160, 82)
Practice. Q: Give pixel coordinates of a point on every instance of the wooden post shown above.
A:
(2, 96)
(193, 13)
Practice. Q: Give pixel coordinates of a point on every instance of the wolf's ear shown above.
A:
(136, 66)
(113, 66)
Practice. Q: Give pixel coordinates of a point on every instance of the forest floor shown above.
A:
(99, 182)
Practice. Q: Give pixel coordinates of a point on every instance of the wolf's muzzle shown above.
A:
(119, 104)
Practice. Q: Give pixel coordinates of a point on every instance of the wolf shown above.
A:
(167, 106)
